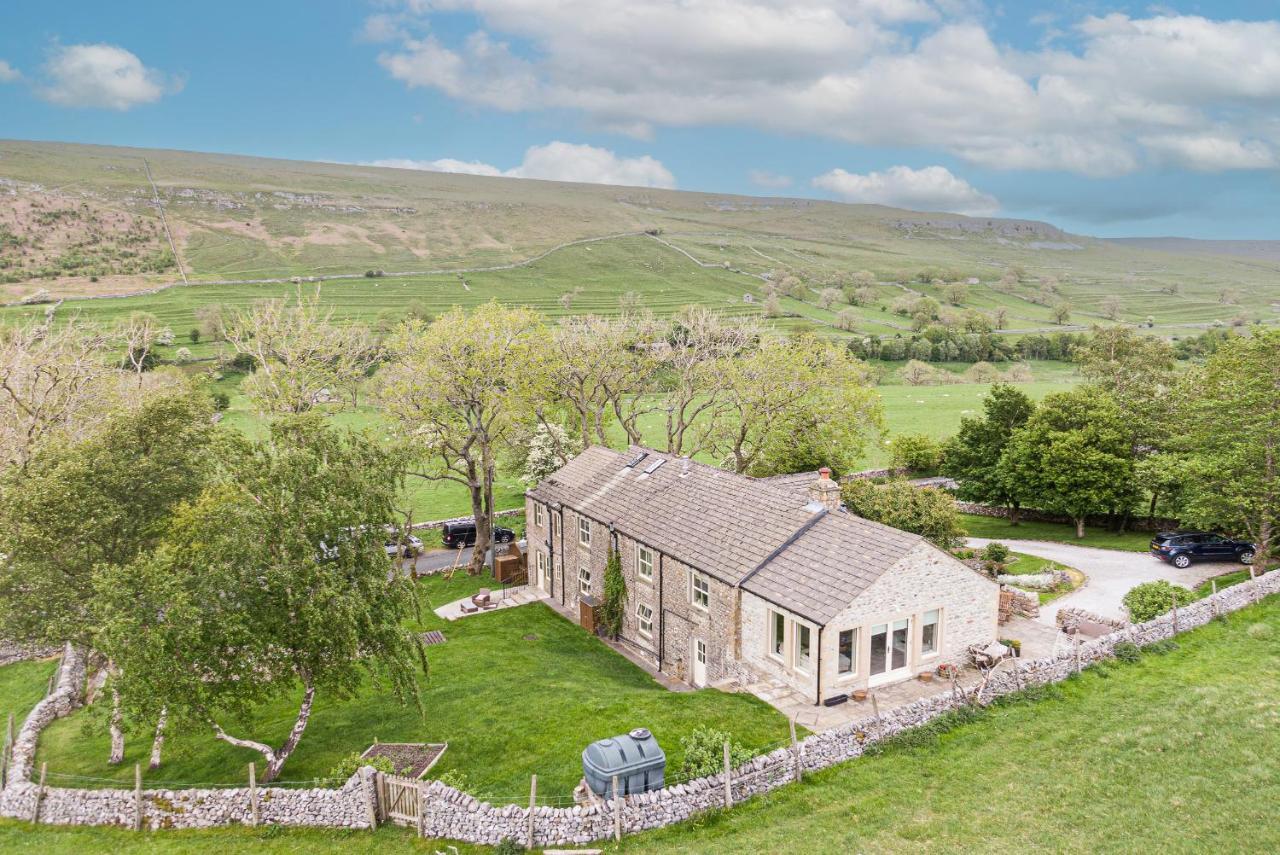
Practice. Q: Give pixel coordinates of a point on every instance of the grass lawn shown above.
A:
(1029, 565)
(1172, 753)
(1000, 529)
(22, 685)
(514, 692)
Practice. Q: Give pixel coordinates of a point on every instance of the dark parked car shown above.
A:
(458, 534)
(1180, 548)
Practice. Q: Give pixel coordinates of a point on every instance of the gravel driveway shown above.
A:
(1111, 573)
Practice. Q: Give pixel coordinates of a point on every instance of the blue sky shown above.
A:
(1107, 118)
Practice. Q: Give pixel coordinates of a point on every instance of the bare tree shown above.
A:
(600, 364)
(139, 334)
(828, 296)
(300, 354)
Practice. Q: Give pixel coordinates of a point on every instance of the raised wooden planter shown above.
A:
(416, 758)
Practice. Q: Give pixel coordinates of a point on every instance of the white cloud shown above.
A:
(557, 161)
(102, 75)
(771, 180)
(446, 164)
(1129, 93)
(8, 73)
(933, 188)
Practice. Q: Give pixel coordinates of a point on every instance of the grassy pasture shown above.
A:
(1172, 753)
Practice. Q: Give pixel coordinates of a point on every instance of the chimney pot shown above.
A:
(824, 472)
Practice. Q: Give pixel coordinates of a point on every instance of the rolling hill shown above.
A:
(94, 221)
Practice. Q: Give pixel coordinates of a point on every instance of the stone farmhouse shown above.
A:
(736, 578)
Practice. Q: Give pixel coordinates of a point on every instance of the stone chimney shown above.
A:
(825, 491)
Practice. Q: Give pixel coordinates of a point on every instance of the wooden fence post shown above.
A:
(137, 796)
(1076, 639)
(422, 809)
(4, 755)
(728, 783)
(875, 708)
(35, 813)
(795, 750)
(1174, 598)
(533, 805)
(617, 811)
(254, 815)
(371, 801)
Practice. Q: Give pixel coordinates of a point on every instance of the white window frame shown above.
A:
(539, 514)
(641, 552)
(777, 641)
(694, 591)
(937, 632)
(584, 581)
(642, 619)
(853, 659)
(798, 631)
(584, 532)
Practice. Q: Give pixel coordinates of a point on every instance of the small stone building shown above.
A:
(736, 577)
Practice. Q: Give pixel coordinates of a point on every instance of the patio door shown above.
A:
(890, 652)
(699, 662)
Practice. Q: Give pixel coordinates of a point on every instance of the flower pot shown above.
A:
(925, 676)
(858, 694)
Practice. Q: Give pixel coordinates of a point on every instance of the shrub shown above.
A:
(242, 363)
(221, 401)
(1150, 599)
(917, 452)
(455, 778)
(508, 846)
(1127, 651)
(704, 752)
(194, 335)
(996, 551)
(347, 766)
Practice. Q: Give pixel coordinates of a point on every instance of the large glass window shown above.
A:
(847, 660)
(929, 632)
(889, 646)
(644, 563)
(777, 634)
(804, 646)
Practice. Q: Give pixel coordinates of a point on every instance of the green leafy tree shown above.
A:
(100, 502)
(926, 511)
(972, 456)
(273, 583)
(1137, 371)
(614, 605)
(1073, 457)
(459, 388)
(1231, 434)
(917, 452)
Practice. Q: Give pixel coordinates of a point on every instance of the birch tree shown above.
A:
(457, 388)
(273, 582)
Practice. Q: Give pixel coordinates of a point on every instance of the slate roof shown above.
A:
(738, 529)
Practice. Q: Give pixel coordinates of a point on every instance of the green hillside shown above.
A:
(83, 223)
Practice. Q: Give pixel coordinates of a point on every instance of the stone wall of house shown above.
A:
(1031, 515)
(926, 578)
(757, 636)
(456, 815)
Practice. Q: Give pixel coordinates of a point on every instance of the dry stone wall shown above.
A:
(452, 814)
(1032, 515)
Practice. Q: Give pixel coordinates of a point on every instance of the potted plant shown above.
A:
(1014, 645)
(925, 676)
(946, 670)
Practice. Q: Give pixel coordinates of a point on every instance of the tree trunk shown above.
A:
(1015, 514)
(157, 742)
(1079, 526)
(117, 734)
(276, 757)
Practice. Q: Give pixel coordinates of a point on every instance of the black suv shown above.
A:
(1180, 548)
(459, 534)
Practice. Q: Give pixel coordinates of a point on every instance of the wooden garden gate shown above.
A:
(399, 799)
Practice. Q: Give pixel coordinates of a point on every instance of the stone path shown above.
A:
(1110, 573)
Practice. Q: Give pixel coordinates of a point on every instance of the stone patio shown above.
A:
(507, 598)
